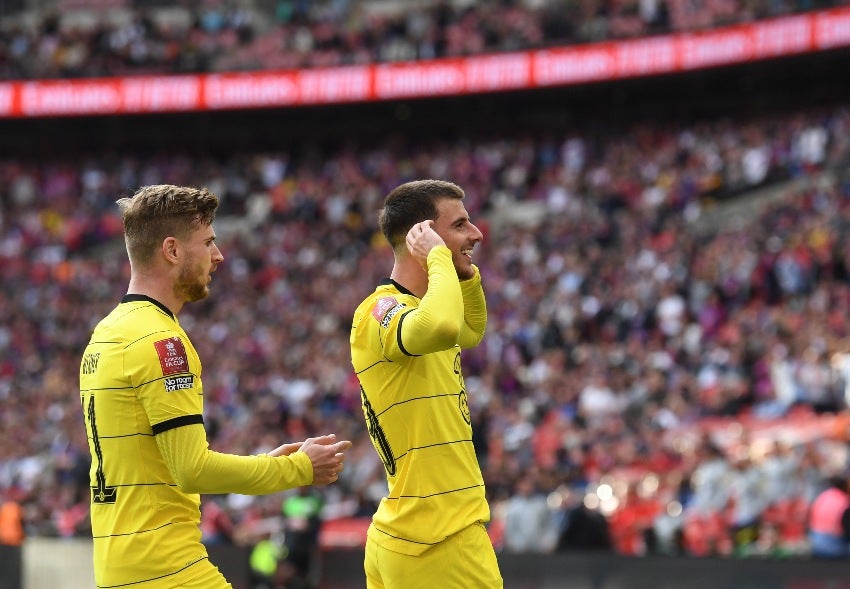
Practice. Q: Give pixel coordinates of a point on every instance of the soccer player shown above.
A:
(142, 399)
(406, 342)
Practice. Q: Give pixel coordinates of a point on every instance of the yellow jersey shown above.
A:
(142, 400)
(406, 353)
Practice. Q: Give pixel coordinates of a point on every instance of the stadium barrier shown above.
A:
(343, 570)
(56, 563)
(10, 567)
(66, 564)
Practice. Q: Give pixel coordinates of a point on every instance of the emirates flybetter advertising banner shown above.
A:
(812, 32)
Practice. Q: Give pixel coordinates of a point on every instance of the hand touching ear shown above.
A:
(421, 239)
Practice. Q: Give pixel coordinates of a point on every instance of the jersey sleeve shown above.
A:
(474, 312)
(434, 324)
(166, 378)
(197, 469)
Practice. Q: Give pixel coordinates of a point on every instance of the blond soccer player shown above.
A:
(142, 400)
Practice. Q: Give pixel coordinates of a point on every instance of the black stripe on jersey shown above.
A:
(168, 424)
(371, 366)
(398, 337)
(123, 436)
(406, 539)
(106, 389)
(157, 379)
(154, 484)
(144, 337)
(133, 533)
(425, 398)
(409, 450)
(432, 494)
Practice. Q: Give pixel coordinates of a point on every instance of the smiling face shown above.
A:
(460, 235)
(200, 258)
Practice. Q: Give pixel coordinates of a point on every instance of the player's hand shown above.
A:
(421, 239)
(286, 449)
(327, 456)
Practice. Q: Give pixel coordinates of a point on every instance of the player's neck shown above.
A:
(157, 290)
(411, 276)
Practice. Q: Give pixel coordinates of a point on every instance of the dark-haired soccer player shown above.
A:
(406, 342)
(142, 398)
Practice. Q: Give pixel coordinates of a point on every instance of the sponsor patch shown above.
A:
(383, 307)
(172, 356)
(179, 383)
(390, 314)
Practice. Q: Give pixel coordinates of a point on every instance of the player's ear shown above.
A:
(169, 249)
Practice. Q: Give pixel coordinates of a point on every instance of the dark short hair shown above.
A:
(163, 210)
(412, 203)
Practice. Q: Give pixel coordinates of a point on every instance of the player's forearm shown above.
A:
(197, 469)
(436, 323)
(474, 312)
(249, 475)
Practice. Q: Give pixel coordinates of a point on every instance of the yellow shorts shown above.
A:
(200, 575)
(465, 560)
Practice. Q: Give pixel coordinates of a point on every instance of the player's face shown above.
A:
(202, 256)
(460, 235)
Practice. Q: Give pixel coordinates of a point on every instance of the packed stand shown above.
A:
(119, 37)
(626, 354)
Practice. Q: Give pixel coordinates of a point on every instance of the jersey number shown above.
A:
(376, 432)
(100, 492)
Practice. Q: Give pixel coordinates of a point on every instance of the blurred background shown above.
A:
(664, 189)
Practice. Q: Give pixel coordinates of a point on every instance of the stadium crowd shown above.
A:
(121, 37)
(686, 382)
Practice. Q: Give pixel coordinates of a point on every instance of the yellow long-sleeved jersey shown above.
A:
(406, 353)
(142, 400)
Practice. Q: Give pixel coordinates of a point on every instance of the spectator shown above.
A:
(301, 512)
(582, 528)
(528, 520)
(265, 563)
(216, 524)
(11, 523)
(829, 521)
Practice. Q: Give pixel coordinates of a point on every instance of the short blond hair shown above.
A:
(163, 210)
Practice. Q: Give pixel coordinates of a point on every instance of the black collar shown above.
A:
(400, 288)
(130, 298)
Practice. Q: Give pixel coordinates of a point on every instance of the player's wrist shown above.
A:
(439, 250)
